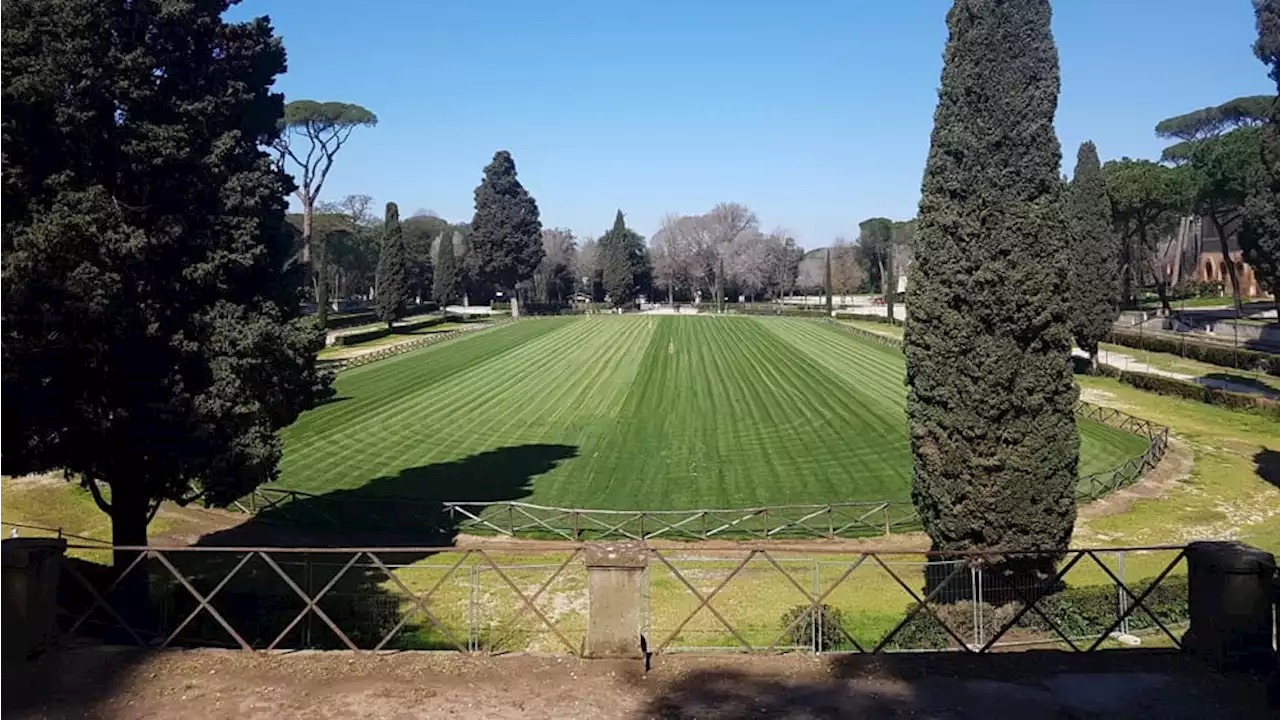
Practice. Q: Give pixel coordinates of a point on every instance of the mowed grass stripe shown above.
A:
(726, 414)
(1102, 447)
(494, 404)
(377, 388)
(642, 412)
(379, 394)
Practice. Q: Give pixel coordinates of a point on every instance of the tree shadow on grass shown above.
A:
(402, 510)
(358, 596)
(1267, 463)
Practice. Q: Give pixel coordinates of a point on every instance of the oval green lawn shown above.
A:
(629, 413)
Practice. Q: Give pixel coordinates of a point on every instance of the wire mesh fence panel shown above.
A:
(530, 607)
(732, 601)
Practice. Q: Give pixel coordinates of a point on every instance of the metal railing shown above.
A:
(501, 599)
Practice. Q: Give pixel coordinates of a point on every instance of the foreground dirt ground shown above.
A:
(114, 683)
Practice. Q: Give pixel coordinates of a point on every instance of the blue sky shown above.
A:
(815, 114)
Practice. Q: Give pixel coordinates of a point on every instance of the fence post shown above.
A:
(473, 633)
(815, 619)
(886, 520)
(311, 592)
(974, 580)
(1120, 593)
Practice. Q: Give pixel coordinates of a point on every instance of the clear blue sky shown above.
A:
(815, 114)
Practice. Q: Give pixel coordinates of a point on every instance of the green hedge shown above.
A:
(352, 319)
(1186, 389)
(771, 309)
(355, 338)
(882, 319)
(1204, 352)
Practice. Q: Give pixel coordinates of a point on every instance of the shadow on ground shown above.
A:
(1031, 684)
(1267, 462)
(400, 510)
(263, 596)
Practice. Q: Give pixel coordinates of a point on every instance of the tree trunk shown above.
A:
(1093, 359)
(130, 513)
(1162, 290)
(1226, 258)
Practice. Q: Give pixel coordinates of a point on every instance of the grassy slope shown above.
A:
(630, 413)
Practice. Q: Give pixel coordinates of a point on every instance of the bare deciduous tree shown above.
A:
(555, 274)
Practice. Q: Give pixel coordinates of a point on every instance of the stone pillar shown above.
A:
(618, 598)
(30, 596)
(1229, 587)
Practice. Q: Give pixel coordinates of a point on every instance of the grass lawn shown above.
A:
(626, 413)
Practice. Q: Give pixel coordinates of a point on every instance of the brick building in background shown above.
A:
(1195, 253)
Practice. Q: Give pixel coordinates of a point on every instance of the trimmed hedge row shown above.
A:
(1162, 385)
(364, 317)
(882, 319)
(773, 310)
(355, 338)
(1204, 352)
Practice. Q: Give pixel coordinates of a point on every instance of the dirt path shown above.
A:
(104, 683)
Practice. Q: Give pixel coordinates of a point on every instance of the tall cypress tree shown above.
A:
(393, 269)
(991, 394)
(623, 262)
(506, 232)
(826, 280)
(1095, 254)
(446, 281)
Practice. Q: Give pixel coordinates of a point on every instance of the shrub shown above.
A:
(831, 634)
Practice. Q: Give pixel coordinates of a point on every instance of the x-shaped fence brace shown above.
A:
(311, 603)
(818, 521)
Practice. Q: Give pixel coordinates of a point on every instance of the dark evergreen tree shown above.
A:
(506, 232)
(991, 394)
(624, 262)
(447, 281)
(826, 280)
(153, 344)
(1094, 293)
(393, 269)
